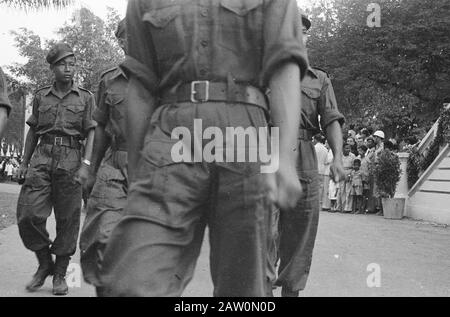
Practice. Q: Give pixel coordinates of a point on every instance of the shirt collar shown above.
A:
(312, 72)
(119, 72)
(52, 89)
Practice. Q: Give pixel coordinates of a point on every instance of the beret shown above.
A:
(59, 52)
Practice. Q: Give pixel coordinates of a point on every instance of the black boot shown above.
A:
(59, 279)
(46, 268)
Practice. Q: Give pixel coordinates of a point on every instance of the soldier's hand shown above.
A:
(337, 171)
(82, 175)
(89, 185)
(22, 172)
(285, 188)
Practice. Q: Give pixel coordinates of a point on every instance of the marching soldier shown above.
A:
(5, 104)
(298, 227)
(109, 194)
(210, 61)
(54, 169)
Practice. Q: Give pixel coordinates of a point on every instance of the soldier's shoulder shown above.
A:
(40, 90)
(109, 72)
(321, 71)
(86, 91)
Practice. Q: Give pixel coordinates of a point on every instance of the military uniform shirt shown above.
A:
(71, 115)
(211, 40)
(110, 111)
(4, 100)
(318, 99)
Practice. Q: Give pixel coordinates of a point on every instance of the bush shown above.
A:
(387, 173)
(413, 167)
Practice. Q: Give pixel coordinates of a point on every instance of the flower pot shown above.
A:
(393, 208)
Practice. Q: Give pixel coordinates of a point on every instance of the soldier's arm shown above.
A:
(30, 145)
(285, 98)
(139, 66)
(331, 121)
(141, 105)
(3, 119)
(32, 138)
(89, 127)
(101, 139)
(101, 144)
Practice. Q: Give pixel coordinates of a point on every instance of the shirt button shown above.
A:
(204, 12)
(204, 43)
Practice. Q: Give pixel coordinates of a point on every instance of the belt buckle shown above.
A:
(194, 92)
(58, 138)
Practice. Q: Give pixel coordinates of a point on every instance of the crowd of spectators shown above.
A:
(358, 192)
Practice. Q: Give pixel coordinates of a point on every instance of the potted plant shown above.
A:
(387, 173)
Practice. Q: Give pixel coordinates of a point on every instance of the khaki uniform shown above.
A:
(234, 45)
(109, 195)
(298, 228)
(49, 182)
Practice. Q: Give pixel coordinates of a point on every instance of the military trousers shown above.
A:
(297, 228)
(153, 249)
(50, 185)
(105, 208)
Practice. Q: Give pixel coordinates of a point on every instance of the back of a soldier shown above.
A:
(208, 62)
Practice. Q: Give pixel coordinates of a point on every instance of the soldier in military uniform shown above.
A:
(298, 227)
(208, 60)
(54, 169)
(108, 197)
(5, 104)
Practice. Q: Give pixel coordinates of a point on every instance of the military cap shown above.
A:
(59, 52)
(121, 28)
(306, 22)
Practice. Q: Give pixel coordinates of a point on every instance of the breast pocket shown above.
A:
(310, 103)
(167, 32)
(115, 103)
(47, 115)
(240, 24)
(74, 116)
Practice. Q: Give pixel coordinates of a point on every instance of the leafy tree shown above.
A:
(395, 76)
(36, 4)
(92, 40)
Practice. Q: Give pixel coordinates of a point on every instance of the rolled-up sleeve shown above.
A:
(328, 108)
(139, 62)
(34, 118)
(101, 112)
(89, 122)
(282, 38)
(4, 100)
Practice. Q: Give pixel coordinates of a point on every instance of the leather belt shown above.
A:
(305, 135)
(58, 140)
(204, 91)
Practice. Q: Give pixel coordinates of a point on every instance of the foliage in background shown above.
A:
(413, 166)
(36, 4)
(92, 40)
(387, 173)
(442, 137)
(394, 77)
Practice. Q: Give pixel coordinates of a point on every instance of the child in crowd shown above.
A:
(333, 195)
(357, 187)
